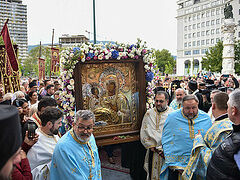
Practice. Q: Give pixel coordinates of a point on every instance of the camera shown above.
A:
(31, 127)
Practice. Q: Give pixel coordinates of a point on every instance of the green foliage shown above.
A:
(30, 65)
(213, 59)
(237, 57)
(1, 41)
(165, 61)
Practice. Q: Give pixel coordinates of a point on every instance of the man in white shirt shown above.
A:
(40, 155)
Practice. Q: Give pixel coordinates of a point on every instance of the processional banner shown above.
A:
(54, 60)
(41, 69)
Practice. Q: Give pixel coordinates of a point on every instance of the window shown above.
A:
(185, 19)
(217, 21)
(203, 42)
(212, 31)
(207, 32)
(239, 12)
(185, 28)
(207, 23)
(198, 16)
(203, 33)
(196, 51)
(194, 26)
(239, 23)
(194, 35)
(213, 12)
(194, 43)
(218, 31)
(221, 38)
(198, 34)
(212, 22)
(189, 18)
(207, 41)
(207, 14)
(185, 36)
(217, 40)
(238, 34)
(189, 44)
(203, 24)
(185, 44)
(194, 17)
(217, 11)
(212, 41)
(204, 51)
(189, 27)
(198, 43)
(187, 52)
(198, 25)
(189, 35)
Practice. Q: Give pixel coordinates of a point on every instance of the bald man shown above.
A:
(177, 102)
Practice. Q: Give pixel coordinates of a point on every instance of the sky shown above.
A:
(153, 21)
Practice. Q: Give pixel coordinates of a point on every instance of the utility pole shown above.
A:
(94, 22)
(51, 54)
(40, 50)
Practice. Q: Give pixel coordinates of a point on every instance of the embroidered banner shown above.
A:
(41, 69)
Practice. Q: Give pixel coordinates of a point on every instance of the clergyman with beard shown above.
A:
(151, 134)
(179, 131)
(40, 154)
(177, 102)
(76, 155)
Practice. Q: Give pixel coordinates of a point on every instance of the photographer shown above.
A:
(229, 81)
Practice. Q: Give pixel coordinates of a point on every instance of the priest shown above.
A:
(151, 134)
(76, 155)
(178, 134)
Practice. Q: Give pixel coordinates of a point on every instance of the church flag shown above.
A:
(55, 60)
(41, 69)
(9, 47)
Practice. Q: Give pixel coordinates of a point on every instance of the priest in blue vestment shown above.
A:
(76, 155)
(179, 131)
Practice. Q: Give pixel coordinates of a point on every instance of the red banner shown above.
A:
(9, 47)
(55, 60)
(41, 69)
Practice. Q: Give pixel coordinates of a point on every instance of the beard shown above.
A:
(84, 140)
(179, 101)
(161, 109)
(54, 131)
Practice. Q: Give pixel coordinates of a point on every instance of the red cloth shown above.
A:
(22, 171)
(25, 147)
(9, 47)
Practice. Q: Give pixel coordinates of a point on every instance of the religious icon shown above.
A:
(110, 92)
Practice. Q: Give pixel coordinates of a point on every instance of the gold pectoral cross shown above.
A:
(73, 170)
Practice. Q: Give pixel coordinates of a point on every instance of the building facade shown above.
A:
(16, 12)
(198, 28)
(67, 40)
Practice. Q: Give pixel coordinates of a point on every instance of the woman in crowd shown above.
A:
(33, 98)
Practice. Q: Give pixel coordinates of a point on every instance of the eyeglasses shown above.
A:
(82, 128)
(161, 101)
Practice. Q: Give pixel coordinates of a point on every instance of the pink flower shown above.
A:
(95, 58)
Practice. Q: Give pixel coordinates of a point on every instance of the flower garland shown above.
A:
(70, 56)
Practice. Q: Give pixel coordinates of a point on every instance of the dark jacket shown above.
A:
(222, 165)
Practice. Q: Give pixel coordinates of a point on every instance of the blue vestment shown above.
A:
(203, 149)
(178, 136)
(73, 159)
(174, 105)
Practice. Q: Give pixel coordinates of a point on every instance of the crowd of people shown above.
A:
(192, 132)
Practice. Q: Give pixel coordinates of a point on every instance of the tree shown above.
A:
(237, 57)
(165, 61)
(213, 59)
(30, 65)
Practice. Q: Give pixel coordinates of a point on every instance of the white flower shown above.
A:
(70, 87)
(64, 106)
(83, 59)
(100, 57)
(72, 113)
(72, 82)
(71, 55)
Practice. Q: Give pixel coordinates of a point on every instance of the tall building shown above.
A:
(16, 12)
(198, 28)
(67, 40)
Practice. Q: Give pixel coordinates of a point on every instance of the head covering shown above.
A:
(32, 84)
(10, 133)
(192, 85)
